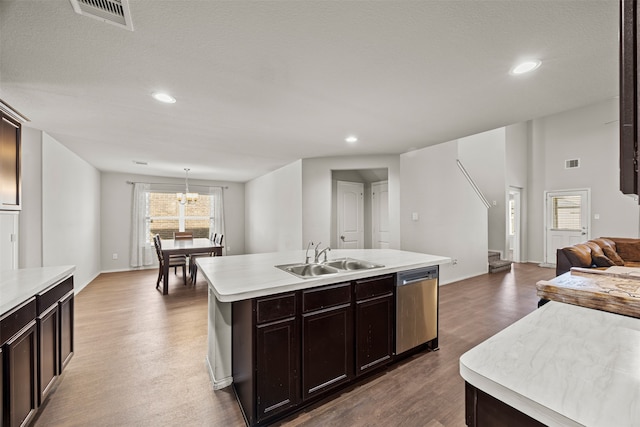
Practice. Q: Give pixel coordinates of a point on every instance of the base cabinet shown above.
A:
(482, 409)
(375, 313)
(293, 349)
(35, 336)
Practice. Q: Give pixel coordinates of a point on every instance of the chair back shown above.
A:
(158, 245)
(217, 240)
(182, 235)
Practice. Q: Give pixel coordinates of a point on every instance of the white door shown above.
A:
(350, 211)
(380, 215)
(566, 221)
(513, 224)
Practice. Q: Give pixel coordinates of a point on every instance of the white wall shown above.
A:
(590, 134)
(452, 221)
(483, 156)
(317, 193)
(70, 212)
(273, 210)
(30, 235)
(116, 197)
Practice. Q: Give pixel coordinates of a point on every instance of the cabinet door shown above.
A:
(277, 360)
(48, 351)
(327, 349)
(21, 376)
(9, 164)
(374, 332)
(66, 330)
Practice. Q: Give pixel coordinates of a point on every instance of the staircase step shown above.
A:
(494, 256)
(500, 265)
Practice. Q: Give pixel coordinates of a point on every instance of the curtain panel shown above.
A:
(141, 251)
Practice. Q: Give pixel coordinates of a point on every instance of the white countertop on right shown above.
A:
(563, 365)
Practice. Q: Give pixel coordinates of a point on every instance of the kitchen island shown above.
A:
(562, 365)
(285, 303)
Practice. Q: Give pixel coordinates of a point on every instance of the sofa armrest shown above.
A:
(562, 263)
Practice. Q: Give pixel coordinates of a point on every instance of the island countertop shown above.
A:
(563, 365)
(16, 286)
(238, 277)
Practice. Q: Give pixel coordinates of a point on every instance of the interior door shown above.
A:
(567, 220)
(380, 215)
(350, 211)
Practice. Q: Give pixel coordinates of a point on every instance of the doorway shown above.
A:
(567, 220)
(368, 178)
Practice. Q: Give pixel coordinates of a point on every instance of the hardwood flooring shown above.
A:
(139, 358)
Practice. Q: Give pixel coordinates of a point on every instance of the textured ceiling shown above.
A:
(262, 83)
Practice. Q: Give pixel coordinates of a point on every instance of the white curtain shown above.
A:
(141, 250)
(218, 214)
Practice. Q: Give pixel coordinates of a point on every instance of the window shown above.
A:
(567, 213)
(164, 215)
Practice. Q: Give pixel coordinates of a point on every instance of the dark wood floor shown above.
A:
(139, 358)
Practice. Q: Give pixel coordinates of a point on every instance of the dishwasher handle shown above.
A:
(417, 275)
(409, 282)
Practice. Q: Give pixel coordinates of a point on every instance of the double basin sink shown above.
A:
(341, 265)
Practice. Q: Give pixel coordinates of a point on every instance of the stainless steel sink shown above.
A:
(306, 271)
(341, 265)
(351, 264)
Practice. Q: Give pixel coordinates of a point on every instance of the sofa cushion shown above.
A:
(628, 250)
(603, 242)
(579, 255)
(613, 256)
(597, 255)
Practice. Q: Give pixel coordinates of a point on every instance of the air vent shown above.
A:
(572, 164)
(114, 12)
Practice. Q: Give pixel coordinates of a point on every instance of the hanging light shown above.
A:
(186, 197)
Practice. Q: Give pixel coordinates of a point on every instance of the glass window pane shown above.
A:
(567, 212)
(165, 215)
(164, 227)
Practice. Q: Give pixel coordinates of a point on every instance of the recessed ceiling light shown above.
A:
(164, 97)
(526, 66)
(351, 139)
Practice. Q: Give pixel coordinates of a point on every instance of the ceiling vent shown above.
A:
(114, 12)
(572, 164)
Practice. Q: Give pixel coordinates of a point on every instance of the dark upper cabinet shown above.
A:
(10, 152)
(629, 97)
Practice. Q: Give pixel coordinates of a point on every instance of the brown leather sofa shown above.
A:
(600, 253)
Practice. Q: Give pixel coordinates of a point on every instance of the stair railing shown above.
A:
(473, 184)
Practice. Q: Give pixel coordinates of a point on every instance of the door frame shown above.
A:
(517, 245)
(546, 216)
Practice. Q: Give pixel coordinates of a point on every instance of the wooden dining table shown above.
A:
(184, 247)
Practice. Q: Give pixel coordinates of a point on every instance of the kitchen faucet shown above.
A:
(324, 251)
(306, 254)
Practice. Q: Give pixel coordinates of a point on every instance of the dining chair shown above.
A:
(174, 261)
(180, 235)
(193, 267)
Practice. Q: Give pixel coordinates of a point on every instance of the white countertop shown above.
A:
(238, 277)
(563, 365)
(17, 286)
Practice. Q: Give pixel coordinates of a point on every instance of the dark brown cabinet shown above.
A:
(290, 350)
(18, 338)
(10, 131)
(327, 338)
(374, 323)
(266, 356)
(35, 337)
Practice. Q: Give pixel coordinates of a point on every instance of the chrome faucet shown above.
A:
(324, 251)
(306, 254)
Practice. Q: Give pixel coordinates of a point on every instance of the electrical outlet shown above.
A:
(228, 249)
(115, 256)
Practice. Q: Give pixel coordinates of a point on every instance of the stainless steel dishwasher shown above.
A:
(417, 308)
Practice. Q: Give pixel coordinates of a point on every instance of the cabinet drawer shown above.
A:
(374, 286)
(17, 319)
(327, 296)
(274, 308)
(53, 294)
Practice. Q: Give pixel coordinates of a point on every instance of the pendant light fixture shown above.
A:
(186, 197)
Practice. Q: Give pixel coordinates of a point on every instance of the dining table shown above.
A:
(184, 247)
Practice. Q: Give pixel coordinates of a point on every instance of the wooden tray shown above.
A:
(615, 291)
